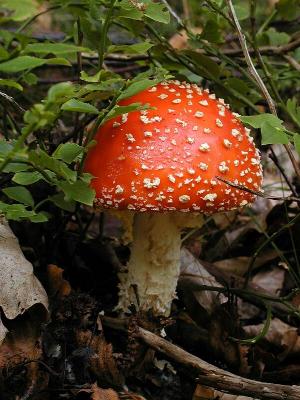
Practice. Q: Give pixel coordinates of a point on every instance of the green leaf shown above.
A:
(10, 83)
(211, 32)
(15, 167)
(294, 109)
(288, 9)
(256, 121)
(137, 87)
(27, 178)
(137, 48)
(207, 67)
(21, 64)
(68, 152)
(20, 194)
(119, 110)
(273, 134)
(60, 201)
(39, 217)
(15, 212)
(22, 9)
(79, 106)
(157, 12)
(30, 78)
(297, 142)
(128, 10)
(61, 91)
(53, 48)
(277, 38)
(58, 61)
(78, 191)
(242, 11)
(43, 160)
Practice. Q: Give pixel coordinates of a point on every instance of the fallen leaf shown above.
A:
(271, 279)
(20, 289)
(57, 285)
(191, 268)
(279, 334)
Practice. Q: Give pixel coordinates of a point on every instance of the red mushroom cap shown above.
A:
(168, 158)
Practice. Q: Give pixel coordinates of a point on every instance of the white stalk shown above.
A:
(154, 265)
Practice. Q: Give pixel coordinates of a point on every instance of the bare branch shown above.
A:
(208, 374)
(11, 100)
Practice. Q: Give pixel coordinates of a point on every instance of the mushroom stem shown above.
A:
(154, 265)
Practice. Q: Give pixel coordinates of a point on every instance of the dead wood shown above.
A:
(207, 374)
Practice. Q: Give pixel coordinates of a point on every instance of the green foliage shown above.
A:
(272, 130)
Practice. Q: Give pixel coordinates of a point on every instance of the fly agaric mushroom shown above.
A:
(162, 164)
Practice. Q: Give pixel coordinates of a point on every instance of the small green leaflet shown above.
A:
(294, 109)
(79, 106)
(272, 131)
(59, 200)
(68, 152)
(119, 110)
(22, 9)
(27, 178)
(10, 83)
(271, 134)
(23, 63)
(18, 212)
(53, 48)
(297, 142)
(138, 48)
(137, 87)
(20, 194)
(156, 11)
(78, 191)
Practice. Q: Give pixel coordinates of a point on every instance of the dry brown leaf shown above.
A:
(191, 267)
(20, 289)
(271, 280)
(240, 265)
(57, 285)
(98, 393)
(280, 334)
(102, 362)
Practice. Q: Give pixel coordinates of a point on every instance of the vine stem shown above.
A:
(253, 72)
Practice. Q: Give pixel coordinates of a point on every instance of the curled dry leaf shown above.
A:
(57, 285)
(192, 269)
(279, 334)
(271, 280)
(20, 289)
(240, 265)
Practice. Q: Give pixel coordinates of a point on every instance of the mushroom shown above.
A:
(162, 164)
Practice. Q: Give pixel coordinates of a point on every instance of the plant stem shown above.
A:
(103, 39)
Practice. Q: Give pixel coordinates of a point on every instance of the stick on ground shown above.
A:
(208, 374)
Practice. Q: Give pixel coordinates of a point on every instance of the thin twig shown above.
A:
(11, 100)
(256, 193)
(208, 374)
(257, 78)
(292, 62)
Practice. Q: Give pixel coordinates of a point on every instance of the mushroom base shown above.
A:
(154, 265)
